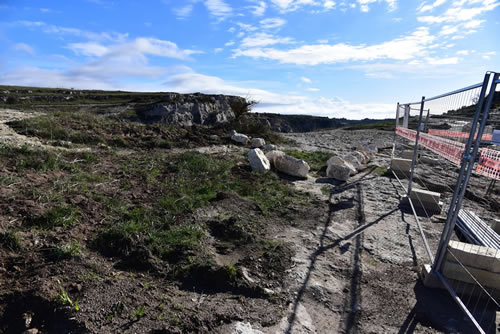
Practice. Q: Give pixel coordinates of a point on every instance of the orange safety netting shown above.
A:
(446, 148)
(456, 134)
(489, 163)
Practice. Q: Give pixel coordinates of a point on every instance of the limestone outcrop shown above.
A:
(190, 109)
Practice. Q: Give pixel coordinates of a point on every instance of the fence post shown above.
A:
(415, 148)
(465, 170)
(407, 115)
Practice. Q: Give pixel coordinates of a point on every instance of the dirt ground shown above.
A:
(333, 258)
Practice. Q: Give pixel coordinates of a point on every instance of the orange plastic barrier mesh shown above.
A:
(489, 163)
(446, 148)
(456, 134)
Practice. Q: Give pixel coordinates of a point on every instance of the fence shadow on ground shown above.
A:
(326, 243)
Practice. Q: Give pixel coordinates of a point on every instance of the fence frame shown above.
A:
(470, 153)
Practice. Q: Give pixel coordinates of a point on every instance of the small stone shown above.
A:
(240, 138)
(257, 142)
(270, 147)
(214, 137)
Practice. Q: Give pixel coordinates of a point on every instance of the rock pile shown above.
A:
(341, 168)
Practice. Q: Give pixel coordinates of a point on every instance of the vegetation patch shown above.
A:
(10, 240)
(92, 129)
(64, 216)
(316, 159)
(380, 125)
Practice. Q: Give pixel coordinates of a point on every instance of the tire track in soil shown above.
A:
(352, 303)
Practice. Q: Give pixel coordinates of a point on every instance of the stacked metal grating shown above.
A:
(476, 231)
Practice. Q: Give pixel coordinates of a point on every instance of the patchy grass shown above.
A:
(91, 129)
(67, 251)
(11, 240)
(316, 159)
(64, 216)
(186, 182)
(380, 171)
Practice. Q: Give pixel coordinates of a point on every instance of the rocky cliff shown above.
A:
(189, 109)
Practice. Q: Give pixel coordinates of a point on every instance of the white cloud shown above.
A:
(183, 12)
(139, 47)
(259, 8)
(328, 4)
(448, 30)
(364, 4)
(246, 27)
(426, 8)
(442, 61)
(402, 48)
(264, 39)
(306, 80)
(271, 23)
(59, 30)
(459, 13)
(463, 52)
(218, 8)
(89, 49)
(473, 24)
(23, 47)
(312, 89)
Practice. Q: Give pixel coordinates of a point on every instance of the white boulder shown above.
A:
(270, 147)
(339, 169)
(367, 152)
(245, 328)
(240, 138)
(357, 159)
(258, 160)
(257, 142)
(271, 156)
(290, 165)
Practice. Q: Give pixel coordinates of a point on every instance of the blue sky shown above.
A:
(351, 58)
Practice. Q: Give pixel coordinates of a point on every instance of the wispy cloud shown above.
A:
(364, 5)
(264, 39)
(183, 12)
(258, 8)
(218, 8)
(139, 47)
(460, 13)
(272, 22)
(59, 30)
(425, 7)
(23, 47)
(306, 80)
(402, 48)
